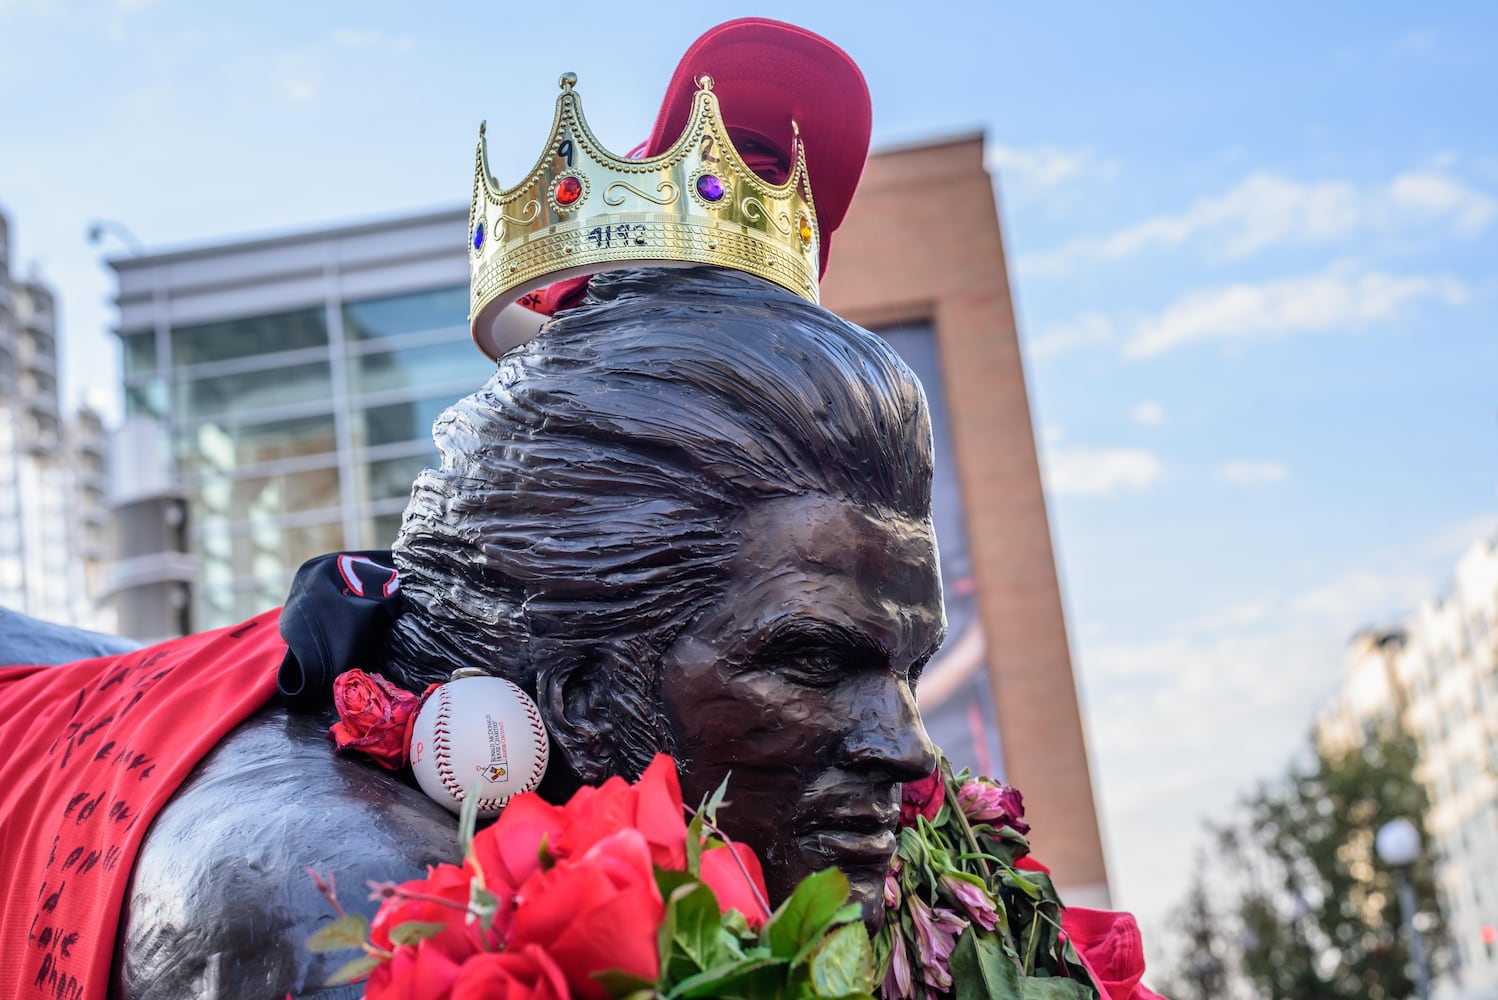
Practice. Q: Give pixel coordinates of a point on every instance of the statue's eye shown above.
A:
(818, 668)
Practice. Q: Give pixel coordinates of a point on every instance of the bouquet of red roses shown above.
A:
(614, 894)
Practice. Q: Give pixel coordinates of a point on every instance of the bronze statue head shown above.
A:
(694, 516)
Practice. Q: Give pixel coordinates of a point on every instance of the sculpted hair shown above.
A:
(583, 509)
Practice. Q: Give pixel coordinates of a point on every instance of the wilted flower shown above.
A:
(974, 899)
(922, 798)
(936, 932)
(892, 887)
(986, 802)
(897, 983)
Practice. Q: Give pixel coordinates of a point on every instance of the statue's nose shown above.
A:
(887, 732)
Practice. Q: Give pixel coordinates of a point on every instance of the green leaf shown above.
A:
(694, 845)
(622, 984)
(468, 821)
(354, 969)
(1054, 989)
(981, 970)
(710, 807)
(801, 920)
(736, 924)
(843, 963)
(691, 941)
(413, 931)
(482, 904)
(728, 979)
(348, 931)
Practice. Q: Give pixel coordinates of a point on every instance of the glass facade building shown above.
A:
(297, 411)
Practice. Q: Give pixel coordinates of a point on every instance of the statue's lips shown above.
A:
(851, 846)
(857, 829)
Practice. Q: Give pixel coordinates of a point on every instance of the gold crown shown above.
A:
(582, 210)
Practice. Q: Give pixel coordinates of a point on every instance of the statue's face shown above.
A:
(799, 685)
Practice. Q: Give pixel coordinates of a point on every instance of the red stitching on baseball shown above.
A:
(441, 736)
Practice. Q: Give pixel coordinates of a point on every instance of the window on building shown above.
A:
(247, 392)
(417, 367)
(401, 315)
(249, 337)
(138, 351)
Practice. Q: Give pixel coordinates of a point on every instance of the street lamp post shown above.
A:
(1398, 844)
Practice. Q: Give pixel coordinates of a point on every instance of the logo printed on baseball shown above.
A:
(486, 738)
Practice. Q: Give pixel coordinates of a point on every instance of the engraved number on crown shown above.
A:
(564, 150)
(623, 234)
(707, 154)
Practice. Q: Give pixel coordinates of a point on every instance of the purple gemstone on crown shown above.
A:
(478, 236)
(710, 187)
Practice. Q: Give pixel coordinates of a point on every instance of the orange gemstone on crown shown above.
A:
(805, 232)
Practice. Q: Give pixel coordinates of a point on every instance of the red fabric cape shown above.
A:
(93, 750)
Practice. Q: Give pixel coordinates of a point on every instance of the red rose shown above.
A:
(518, 974)
(593, 913)
(508, 852)
(652, 806)
(442, 898)
(723, 875)
(922, 798)
(374, 717)
(425, 972)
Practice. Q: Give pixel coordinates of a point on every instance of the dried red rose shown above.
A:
(374, 717)
(922, 798)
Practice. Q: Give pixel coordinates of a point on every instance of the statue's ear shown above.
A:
(573, 696)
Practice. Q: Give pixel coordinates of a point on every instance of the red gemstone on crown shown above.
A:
(569, 189)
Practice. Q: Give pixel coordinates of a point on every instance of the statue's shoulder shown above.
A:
(221, 904)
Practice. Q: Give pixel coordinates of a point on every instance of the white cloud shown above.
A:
(1339, 297)
(1147, 414)
(1248, 472)
(1440, 196)
(1180, 727)
(1077, 470)
(1266, 210)
(1182, 723)
(1364, 597)
(1028, 173)
(1091, 329)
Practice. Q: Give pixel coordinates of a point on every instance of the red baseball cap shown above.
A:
(766, 74)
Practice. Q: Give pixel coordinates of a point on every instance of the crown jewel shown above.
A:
(582, 210)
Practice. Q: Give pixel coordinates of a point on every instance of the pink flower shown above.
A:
(973, 899)
(897, 983)
(922, 798)
(936, 932)
(988, 802)
(892, 887)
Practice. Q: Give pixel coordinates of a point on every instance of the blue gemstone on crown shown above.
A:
(710, 187)
(478, 236)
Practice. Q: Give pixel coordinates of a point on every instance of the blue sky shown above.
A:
(1255, 255)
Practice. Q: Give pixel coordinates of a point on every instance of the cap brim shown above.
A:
(766, 73)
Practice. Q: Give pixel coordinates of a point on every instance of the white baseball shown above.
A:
(480, 736)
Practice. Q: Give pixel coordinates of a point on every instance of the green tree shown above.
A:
(1316, 913)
